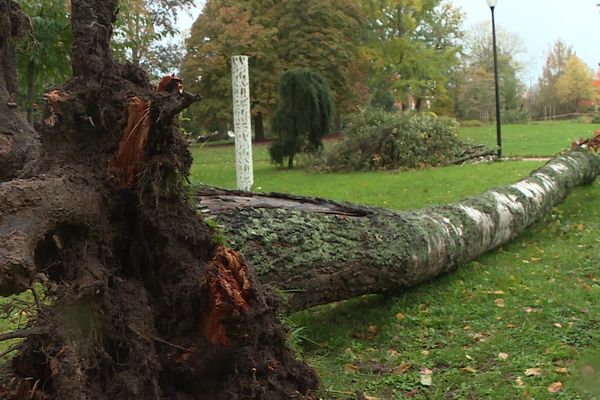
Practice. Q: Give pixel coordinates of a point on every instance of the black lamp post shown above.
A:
(492, 4)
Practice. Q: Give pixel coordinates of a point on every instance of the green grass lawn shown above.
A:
(531, 305)
(410, 189)
(536, 139)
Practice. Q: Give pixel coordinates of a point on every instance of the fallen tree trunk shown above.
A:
(320, 251)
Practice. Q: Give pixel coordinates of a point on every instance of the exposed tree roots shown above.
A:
(143, 304)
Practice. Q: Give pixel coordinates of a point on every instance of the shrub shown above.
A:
(383, 140)
(596, 119)
(303, 115)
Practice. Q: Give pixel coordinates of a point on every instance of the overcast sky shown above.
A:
(538, 22)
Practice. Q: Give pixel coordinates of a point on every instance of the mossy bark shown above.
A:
(320, 251)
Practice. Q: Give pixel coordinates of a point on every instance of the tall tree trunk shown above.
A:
(320, 251)
(141, 303)
(259, 127)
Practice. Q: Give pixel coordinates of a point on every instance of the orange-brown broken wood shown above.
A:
(54, 99)
(131, 156)
(230, 291)
(170, 83)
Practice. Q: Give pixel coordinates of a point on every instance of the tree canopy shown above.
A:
(413, 47)
(323, 36)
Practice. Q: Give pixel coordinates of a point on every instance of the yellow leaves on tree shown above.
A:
(576, 84)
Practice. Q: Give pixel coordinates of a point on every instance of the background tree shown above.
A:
(413, 47)
(303, 116)
(224, 29)
(475, 77)
(145, 32)
(44, 56)
(323, 36)
(576, 84)
(547, 86)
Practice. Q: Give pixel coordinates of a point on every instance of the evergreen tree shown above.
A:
(303, 116)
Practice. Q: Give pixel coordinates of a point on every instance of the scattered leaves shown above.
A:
(533, 372)
(499, 302)
(400, 316)
(562, 370)
(402, 368)
(555, 387)
(519, 382)
(503, 356)
(426, 380)
(351, 369)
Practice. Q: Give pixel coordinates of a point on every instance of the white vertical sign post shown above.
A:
(241, 121)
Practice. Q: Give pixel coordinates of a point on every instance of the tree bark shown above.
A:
(320, 251)
(18, 141)
(142, 303)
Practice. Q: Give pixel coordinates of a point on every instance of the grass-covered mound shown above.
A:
(390, 140)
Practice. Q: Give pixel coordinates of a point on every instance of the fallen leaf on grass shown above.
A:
(499, 302)
(469, 370)
(402, 368)
(503, 356)
(533, 372)
(497, 292)
(558, 325)
(555, 387)
(520, 382)
(562, 370)
(350, 369)
(393, 353)
(400, 316)
(426, 380)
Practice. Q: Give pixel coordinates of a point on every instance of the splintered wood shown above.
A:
(131, 156)
(230, 290)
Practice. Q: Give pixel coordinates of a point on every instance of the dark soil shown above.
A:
(143, 304)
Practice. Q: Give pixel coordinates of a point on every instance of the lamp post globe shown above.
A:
(492, 3)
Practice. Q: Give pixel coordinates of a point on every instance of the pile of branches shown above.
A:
(474, 154)
(592, 143)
